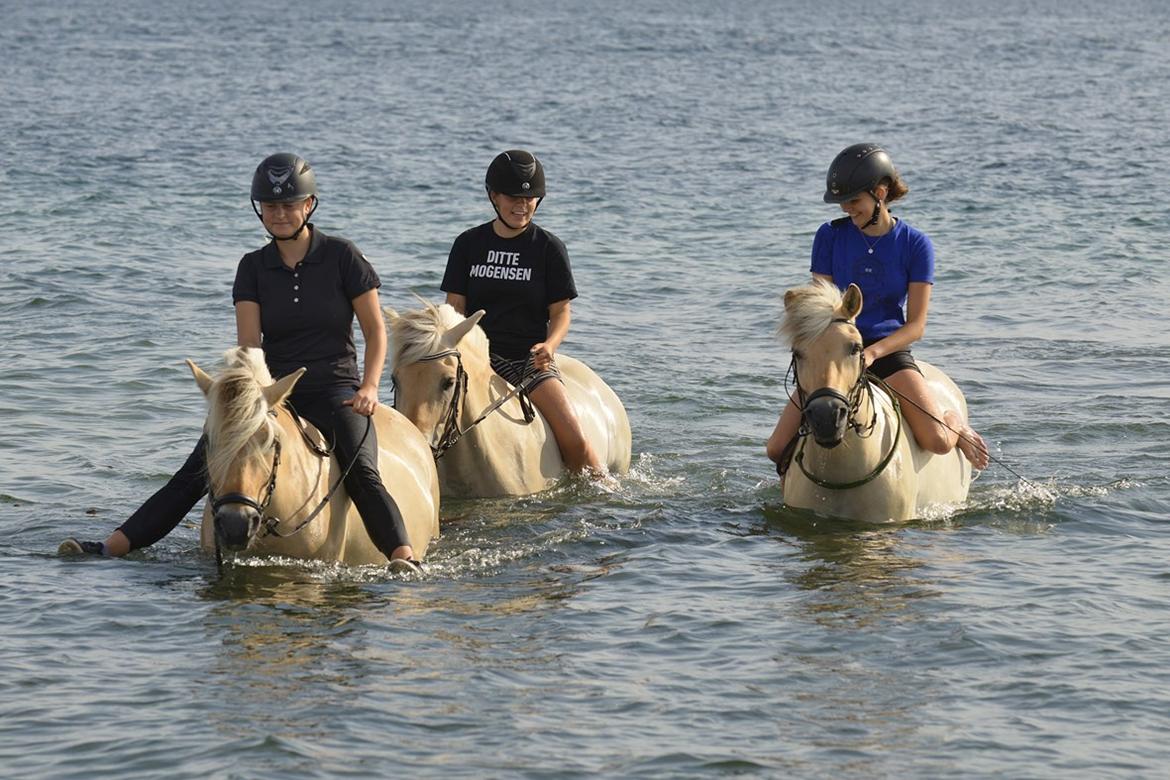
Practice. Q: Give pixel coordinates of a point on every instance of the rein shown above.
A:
(451, 432)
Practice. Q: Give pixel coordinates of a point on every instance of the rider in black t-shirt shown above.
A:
(296, 298)
(519, 274)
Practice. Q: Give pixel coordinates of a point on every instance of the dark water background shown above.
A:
(685, 625)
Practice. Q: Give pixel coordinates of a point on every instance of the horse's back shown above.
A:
(947, 393)
(602, 415)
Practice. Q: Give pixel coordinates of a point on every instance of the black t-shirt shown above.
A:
(306, 313)
(514, 280)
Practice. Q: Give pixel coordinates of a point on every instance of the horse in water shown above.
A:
(856, 457)
(274, 488)
(488, 441)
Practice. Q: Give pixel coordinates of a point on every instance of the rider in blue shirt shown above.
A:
(893, 264)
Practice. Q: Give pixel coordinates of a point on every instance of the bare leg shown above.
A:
(117, 544)
(926, 420)
(576, 451)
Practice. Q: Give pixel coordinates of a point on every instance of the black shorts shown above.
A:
(885, 367)
(516, 371)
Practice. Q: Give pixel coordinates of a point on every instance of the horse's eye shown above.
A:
(856, 349)
(448, 383)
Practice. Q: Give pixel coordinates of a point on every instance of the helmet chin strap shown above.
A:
(877, 210)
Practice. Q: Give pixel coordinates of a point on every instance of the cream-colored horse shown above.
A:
(444, 382)
(859, 459)
(270, 492)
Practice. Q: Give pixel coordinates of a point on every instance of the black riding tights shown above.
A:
(340, 425)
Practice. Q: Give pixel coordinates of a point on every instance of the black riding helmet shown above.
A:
(857, 169)
(284, 178)
(516, 173)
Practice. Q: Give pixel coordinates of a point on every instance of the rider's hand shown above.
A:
(364, 401)
(541, 356)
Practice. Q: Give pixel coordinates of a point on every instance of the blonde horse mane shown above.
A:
(809, 311)
(236, 410)
(417, 334)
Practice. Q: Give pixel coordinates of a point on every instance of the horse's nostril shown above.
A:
(236, 528)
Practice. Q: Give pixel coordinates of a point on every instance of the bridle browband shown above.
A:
(852, 401)
(451, 433)
(268, 523)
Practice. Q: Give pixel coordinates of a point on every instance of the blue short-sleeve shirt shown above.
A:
(900, 257)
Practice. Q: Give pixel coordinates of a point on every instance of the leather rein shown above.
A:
(451, 433)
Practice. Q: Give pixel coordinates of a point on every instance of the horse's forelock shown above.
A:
(236, 410)
(417, 334)
(808, 312)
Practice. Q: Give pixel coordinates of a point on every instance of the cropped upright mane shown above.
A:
(417, 334)
(237, 410)
(808, 311)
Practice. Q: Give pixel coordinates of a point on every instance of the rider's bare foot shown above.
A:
(973, 447)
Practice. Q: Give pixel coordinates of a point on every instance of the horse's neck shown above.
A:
(874, 443)
(303, 474)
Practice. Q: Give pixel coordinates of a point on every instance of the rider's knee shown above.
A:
(775, 449)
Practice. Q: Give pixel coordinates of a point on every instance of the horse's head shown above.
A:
(826, 355)
(431, 352)
(243, 442)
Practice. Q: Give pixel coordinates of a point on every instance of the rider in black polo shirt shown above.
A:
(296, 298)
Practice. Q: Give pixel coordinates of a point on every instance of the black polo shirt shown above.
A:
(514, 280)
(306, 313)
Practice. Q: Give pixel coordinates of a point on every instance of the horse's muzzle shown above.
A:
(826, 412)
(235, 526)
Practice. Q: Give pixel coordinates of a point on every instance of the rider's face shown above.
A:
(283, 220)
(517, 212)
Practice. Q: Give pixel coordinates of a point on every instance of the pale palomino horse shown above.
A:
(274, 489)
(444, 383)
(857, 457)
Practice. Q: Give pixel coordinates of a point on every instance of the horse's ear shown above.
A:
(851, 301)
(790, 298)
(281, 388)
(456, 334)
(201, 377)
